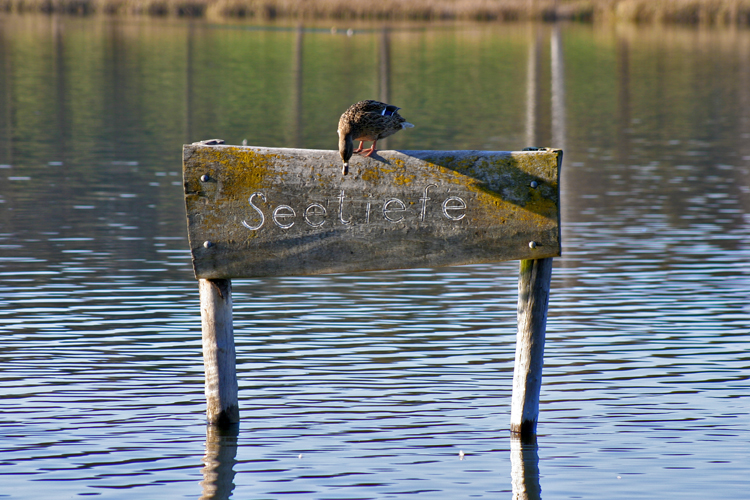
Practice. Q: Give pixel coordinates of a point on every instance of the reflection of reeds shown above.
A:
(673, 11)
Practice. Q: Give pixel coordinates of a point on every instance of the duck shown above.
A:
(367, 121)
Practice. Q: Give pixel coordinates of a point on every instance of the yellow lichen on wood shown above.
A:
(243, 169)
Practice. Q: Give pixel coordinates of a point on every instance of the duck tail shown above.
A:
(407, 125)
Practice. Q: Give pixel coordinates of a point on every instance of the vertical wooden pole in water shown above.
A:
(533, 300)
(218, 352)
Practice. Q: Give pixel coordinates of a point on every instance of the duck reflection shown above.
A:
(524, 468)
(218, 463)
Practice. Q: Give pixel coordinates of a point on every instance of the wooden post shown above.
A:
(533, 300)
(218, 352)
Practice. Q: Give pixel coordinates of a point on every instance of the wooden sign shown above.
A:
(256, 211)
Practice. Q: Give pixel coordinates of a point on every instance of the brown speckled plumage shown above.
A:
(367, 121)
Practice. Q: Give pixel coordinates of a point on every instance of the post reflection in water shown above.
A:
(384, 72)
(297, 88)
(532, 89)
(524, 468)
(218, 463)
(557, 61)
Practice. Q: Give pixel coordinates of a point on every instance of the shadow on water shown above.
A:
(524, 468)
(218, 463)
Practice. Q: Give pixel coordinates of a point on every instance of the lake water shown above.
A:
(369, 386)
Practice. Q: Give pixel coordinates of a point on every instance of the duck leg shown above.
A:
(369, 151)
(359, 148)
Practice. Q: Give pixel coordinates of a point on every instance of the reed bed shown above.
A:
(722, 12)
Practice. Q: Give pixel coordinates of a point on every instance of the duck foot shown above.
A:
(369, 151)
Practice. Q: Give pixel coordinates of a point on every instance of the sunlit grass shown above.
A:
(643, 11)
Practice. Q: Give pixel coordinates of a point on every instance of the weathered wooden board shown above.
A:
(256, 211)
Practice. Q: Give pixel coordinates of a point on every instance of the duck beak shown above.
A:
(345, 168)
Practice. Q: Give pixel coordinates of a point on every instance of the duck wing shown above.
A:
(370, 120)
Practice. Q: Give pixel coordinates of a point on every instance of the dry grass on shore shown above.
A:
(723, 12)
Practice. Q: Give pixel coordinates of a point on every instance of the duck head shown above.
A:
(346, 149)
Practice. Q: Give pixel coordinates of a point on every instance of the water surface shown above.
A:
(370, 385)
